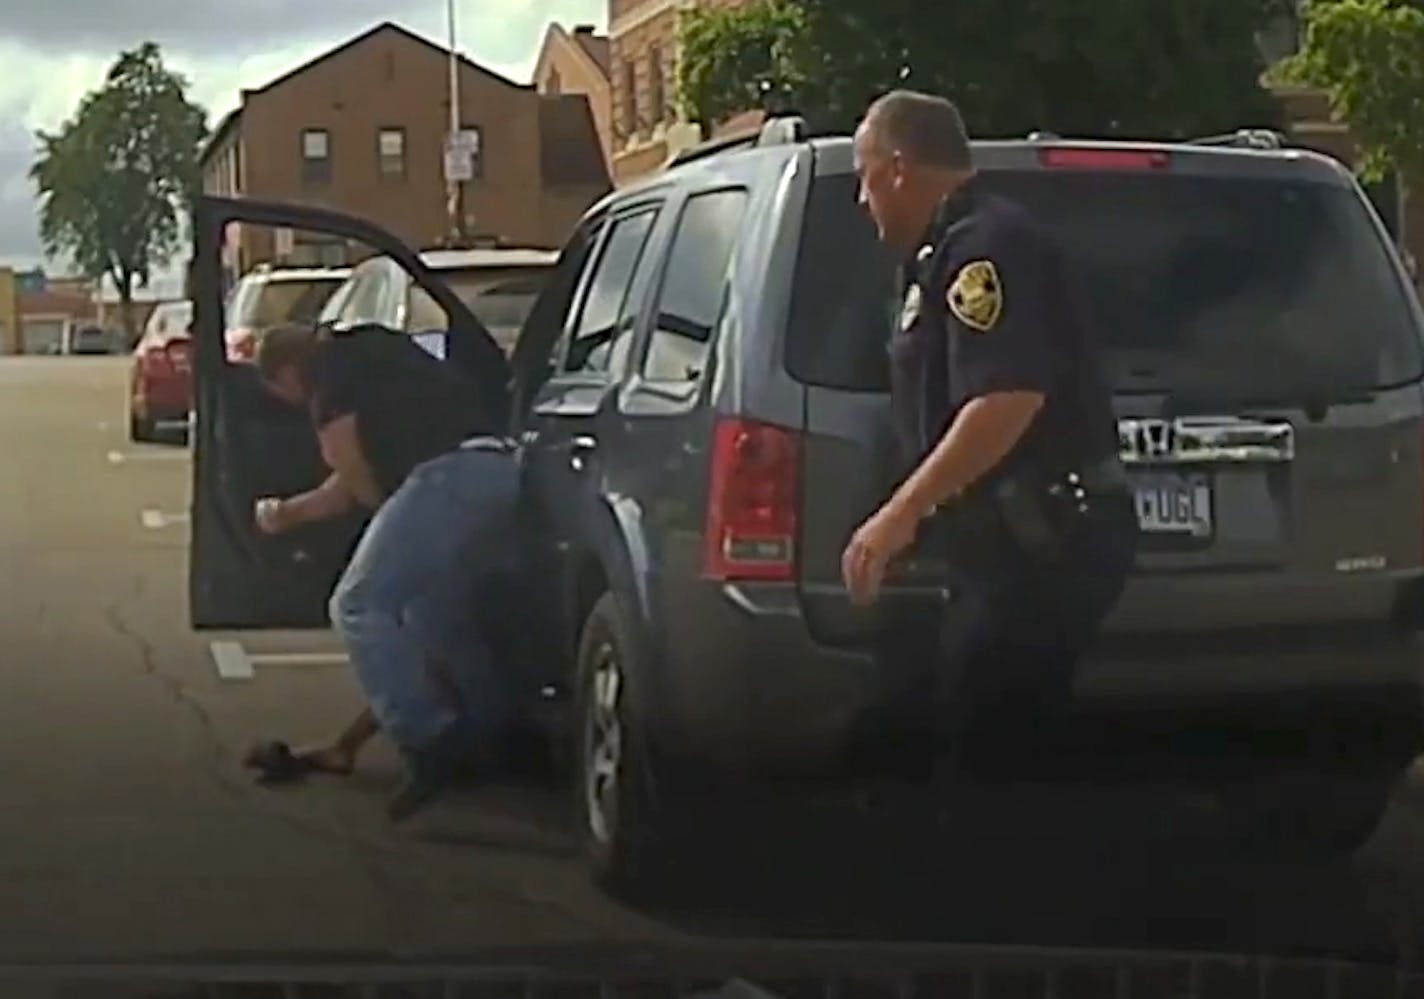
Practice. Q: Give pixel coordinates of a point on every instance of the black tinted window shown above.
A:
(605, 324)
(694, 286)
(843, 303)
(1184, 271)
(1183, 274)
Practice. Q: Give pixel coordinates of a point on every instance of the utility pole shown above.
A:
(453, 188)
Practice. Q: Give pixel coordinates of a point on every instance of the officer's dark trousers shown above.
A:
(993, 675)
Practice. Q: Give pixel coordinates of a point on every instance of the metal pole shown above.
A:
(452, 185)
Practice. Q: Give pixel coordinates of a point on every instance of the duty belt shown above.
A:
(1105, 475)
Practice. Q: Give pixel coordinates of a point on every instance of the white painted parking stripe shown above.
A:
(234, 662)
(157, 454)
(231, 660)
(157, 520)
(297, 658)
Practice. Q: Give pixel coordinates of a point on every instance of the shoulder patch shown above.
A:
(975, 296)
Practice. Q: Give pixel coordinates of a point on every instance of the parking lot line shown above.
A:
(157, 454)
(234, 662)
(157, 520)
(231, 660)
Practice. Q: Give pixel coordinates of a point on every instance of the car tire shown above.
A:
(140, 430)
(626, 843)
(1304, 815)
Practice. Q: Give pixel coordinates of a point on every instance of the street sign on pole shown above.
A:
(461, 148)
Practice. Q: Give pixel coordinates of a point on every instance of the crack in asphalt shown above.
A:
(369, 853)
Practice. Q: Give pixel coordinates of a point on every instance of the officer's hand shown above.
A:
(271, 516)
(886, 534)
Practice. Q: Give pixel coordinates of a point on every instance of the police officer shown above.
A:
(1006, 428)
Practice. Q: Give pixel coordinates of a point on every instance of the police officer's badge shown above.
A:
(910, 310)
(975, 295)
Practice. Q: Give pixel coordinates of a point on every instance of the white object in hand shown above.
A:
(266, 514)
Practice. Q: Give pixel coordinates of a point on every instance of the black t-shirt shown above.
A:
(409, 405)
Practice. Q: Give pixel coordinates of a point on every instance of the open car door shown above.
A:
(247, 444)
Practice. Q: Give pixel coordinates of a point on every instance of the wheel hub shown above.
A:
(603, 745)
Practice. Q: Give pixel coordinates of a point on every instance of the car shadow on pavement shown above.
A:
(1028, 865)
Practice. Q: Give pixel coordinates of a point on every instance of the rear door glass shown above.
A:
(1185, 275)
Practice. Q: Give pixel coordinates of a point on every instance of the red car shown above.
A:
(161, 388)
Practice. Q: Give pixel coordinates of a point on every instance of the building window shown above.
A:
(657, 95)
(630, 99)
(390, 153)
(316, 156)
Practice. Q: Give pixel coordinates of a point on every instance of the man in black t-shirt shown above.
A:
(408, 436)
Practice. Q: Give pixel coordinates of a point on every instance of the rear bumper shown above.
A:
(162, 398)
(747, 689)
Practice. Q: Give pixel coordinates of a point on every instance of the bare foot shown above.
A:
(327, 759)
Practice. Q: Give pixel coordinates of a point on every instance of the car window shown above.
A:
(694, 286)
(331, 311)
(270, 303)
(422, 313)
(502, 304)
(601, 333)
(363, 302)
(1178, 272)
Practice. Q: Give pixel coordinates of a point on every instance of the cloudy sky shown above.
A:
(56, 50)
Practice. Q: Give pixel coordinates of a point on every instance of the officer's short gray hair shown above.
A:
(924, 128)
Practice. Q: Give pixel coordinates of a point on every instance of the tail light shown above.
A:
(753, 502)
(179, 353)
(1067, 157)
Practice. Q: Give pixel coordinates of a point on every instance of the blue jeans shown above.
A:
(408, 605)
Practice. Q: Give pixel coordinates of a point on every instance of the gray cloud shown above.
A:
(19, 235)
(201, 27)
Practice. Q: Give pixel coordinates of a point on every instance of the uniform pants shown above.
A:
(998, 668)
(418, 602)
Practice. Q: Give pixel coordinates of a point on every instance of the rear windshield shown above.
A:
(1184, 274)
(501, 304)
(259, 304)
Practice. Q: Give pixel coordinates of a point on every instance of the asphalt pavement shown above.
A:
(131, 829)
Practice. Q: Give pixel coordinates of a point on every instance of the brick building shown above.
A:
(646, 125)
(577, 63)
(361, 129)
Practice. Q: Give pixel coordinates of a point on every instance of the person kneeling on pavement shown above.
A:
(404, 434)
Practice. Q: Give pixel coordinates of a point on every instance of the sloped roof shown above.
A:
(597, 47)
(232, 120)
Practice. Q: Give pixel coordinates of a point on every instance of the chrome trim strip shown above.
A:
(1194, 440)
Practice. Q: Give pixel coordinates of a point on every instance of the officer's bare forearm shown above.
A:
(983, 433)
(330, 499)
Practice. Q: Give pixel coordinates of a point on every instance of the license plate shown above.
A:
(1174, 504)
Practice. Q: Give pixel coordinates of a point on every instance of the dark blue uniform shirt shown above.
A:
(990, 306)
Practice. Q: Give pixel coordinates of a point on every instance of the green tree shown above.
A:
(116, 179)
(736, 59)
(1368, 56)
(1148, 68)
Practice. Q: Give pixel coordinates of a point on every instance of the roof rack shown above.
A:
(1244, 138)
(777, 130)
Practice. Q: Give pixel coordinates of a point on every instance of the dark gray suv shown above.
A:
(702, 392)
